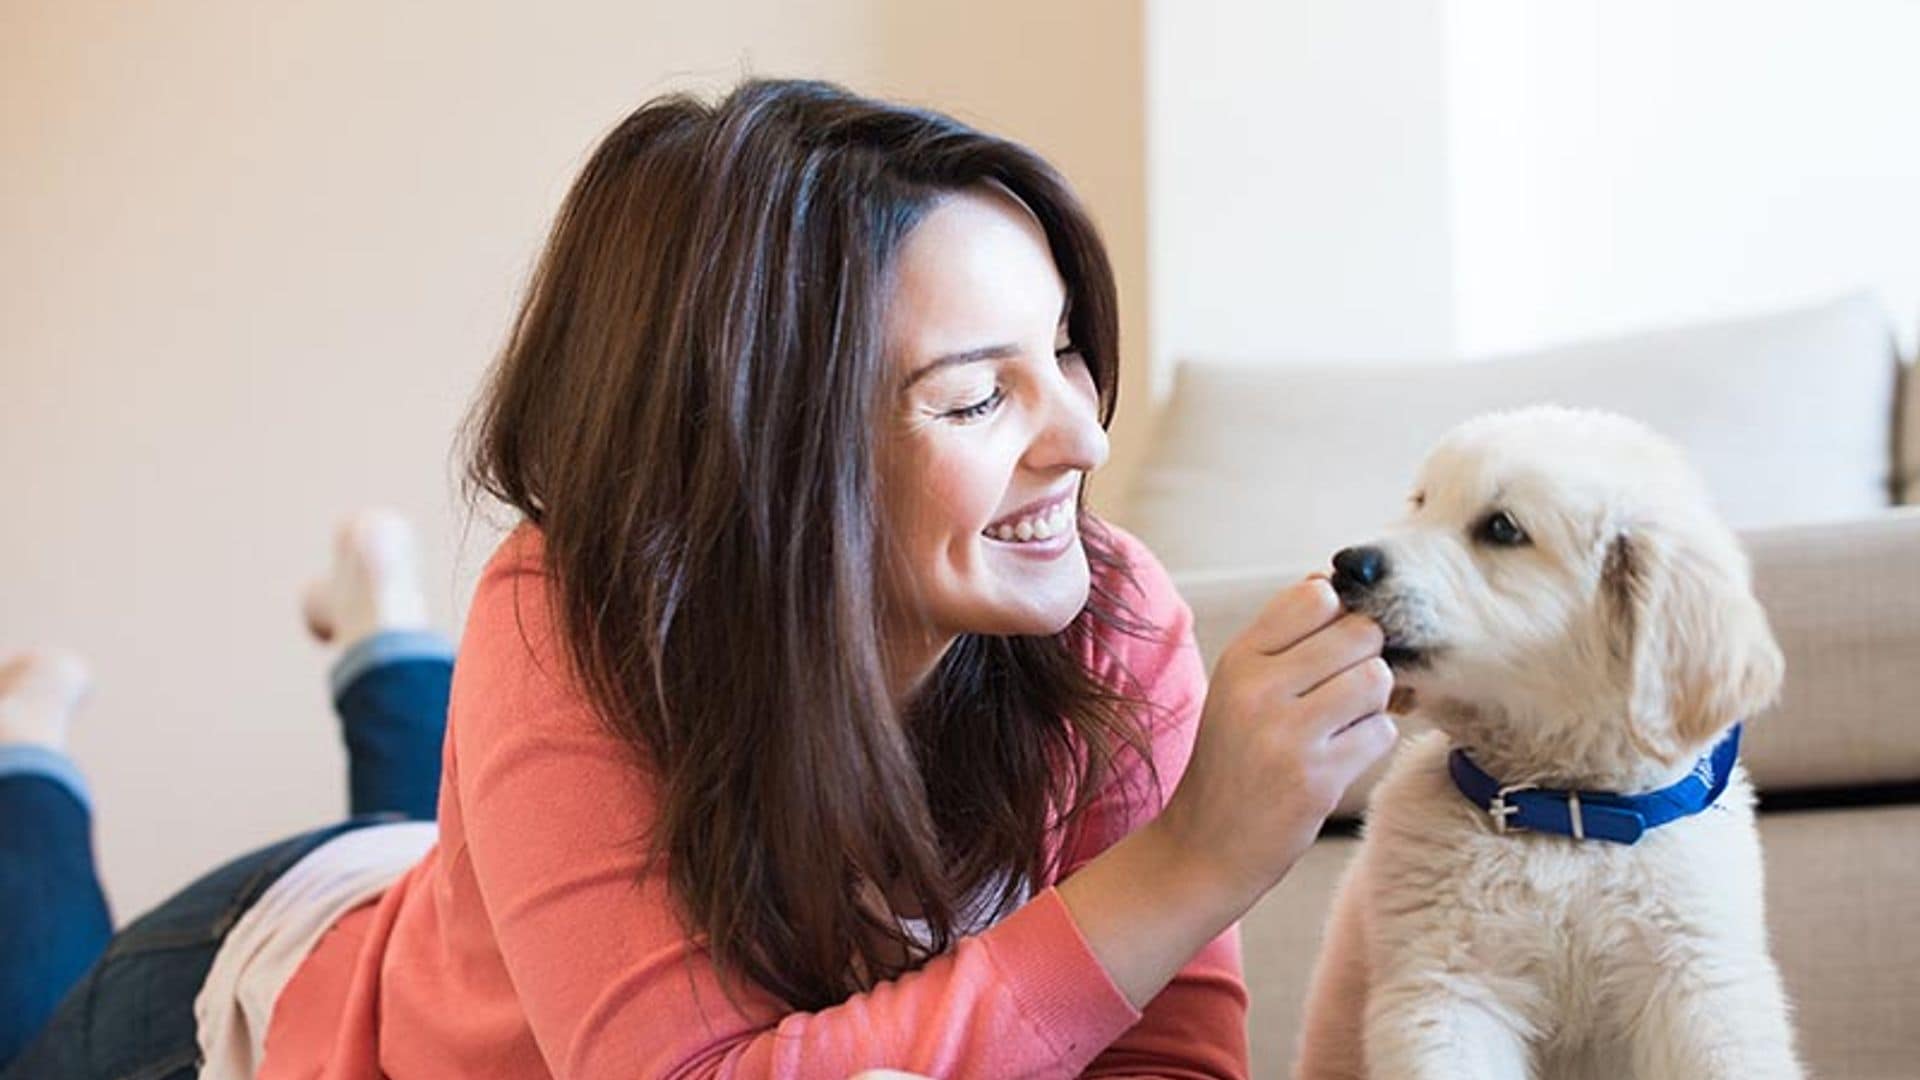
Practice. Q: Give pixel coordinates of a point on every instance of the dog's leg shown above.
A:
(1331, 1031)
(1737, 1025)
(1429, 1032)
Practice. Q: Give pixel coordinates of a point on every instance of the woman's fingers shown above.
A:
(1361, 743)
(1291, 615)
(1304, 636)
(1349, 640)
(1360, 690)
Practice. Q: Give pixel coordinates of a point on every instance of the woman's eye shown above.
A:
(1499, 529)
(978, 409)
(1069, 353)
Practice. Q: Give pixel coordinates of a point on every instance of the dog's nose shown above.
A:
(1357, 569)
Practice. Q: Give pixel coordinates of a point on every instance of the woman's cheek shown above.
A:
(961, 490)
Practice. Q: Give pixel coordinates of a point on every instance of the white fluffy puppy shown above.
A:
(1579, 627)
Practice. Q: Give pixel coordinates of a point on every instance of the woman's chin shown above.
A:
(1023, 599)
(1046, 615)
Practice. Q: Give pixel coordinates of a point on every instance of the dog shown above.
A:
(1563, 877)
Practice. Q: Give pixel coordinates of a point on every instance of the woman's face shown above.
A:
(993, 425)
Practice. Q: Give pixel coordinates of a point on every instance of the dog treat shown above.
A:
(1400, 702)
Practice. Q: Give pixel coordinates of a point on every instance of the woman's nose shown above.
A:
(1071, 436)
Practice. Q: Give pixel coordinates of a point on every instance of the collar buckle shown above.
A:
(1500, 809)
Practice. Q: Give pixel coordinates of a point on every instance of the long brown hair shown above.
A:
(687, 407)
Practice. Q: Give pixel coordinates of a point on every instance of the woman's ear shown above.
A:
(1694, 641)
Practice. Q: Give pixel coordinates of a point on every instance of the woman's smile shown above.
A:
(1039, 523)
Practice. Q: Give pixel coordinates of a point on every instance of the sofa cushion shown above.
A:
(1839, 885)
(1789, 417)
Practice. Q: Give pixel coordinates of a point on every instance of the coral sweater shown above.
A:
(528, 943)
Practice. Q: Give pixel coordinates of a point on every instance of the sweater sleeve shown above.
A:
(555, 817)
(1197, 1025)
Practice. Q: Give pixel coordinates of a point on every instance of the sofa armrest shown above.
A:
(1844, 601)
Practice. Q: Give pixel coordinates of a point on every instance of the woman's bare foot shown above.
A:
(39, 689)
(373, 584)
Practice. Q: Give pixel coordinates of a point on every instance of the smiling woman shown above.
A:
(808, 722)
(863, 305)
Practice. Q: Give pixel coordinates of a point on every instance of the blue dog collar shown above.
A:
(1596, 815)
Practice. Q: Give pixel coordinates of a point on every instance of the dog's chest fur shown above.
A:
(1563, 937)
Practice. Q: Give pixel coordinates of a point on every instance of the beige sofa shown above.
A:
(1796, 420)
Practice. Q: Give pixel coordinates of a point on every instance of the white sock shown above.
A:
(373, 584)
(39, 690)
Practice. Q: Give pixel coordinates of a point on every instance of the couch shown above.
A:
(1807, 428)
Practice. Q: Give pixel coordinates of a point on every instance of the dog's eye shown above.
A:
(1499, 528)
(1418, 499)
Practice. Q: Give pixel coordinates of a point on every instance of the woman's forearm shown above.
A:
(1146, 907)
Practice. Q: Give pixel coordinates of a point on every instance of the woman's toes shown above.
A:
(39, 689)
(373, 584)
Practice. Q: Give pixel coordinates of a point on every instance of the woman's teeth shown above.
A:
(1042, 526)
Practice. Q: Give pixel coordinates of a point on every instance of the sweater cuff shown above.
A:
(1060, 985)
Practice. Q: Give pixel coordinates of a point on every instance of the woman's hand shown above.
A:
(1294, 714)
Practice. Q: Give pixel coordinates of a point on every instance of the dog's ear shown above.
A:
(1693, 640)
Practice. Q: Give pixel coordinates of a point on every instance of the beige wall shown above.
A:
(1298, 178)
(258, 258)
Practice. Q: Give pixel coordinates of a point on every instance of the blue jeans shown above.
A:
(79, 1001)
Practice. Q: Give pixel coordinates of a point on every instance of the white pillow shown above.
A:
(1789, 417)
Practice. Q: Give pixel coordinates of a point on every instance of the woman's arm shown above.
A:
(1254, 764)
(1165, 928)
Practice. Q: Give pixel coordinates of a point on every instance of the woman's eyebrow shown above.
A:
(969, 356)
(986, 352)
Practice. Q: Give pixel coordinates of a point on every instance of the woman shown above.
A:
(807, 722)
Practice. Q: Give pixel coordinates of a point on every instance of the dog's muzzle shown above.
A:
(1357, 573)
